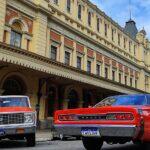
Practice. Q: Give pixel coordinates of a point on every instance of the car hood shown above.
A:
(15, 109)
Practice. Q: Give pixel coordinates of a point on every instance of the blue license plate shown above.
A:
(2, 132)
(90, 132)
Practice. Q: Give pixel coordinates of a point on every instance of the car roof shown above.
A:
(130, 95)
(12, 96)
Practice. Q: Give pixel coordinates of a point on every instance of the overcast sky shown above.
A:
(118, 10)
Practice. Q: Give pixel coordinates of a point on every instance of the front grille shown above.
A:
(92, 117)
(6, 119)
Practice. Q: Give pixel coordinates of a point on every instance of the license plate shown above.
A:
(2, 132)
(90, 132)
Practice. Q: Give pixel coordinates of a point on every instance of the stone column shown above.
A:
(2, 18)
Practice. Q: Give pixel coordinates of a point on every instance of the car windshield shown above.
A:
(14, 102)
(123, 101)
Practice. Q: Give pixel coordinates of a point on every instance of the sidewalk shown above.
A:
(43, 135)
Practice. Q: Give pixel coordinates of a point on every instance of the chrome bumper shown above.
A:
(13, 130)
(105, 130)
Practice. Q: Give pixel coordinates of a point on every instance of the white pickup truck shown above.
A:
(17, 119)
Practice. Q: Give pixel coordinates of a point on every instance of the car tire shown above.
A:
(90, 143)
(31, 140)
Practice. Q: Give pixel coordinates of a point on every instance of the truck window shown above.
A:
(14, 102)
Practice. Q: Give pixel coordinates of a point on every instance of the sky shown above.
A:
(118, 10)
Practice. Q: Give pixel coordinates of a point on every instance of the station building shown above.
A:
(69, 54)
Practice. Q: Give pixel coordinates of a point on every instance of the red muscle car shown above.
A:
(116, 119)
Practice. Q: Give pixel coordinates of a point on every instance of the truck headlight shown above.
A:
(29, 118)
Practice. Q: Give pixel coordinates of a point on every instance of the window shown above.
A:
(98, 72)
(53, 52)
(4, 36)
(98, 24)
(112, 34)
(68, 5)
(120, 77)
(79, 11)
(113, 75)
(89, 66)
(106, 73)
(129, 46)
(118, 39)
(125, 43)
(125, 80)
(134, 50)
(15, 39)
(89, 18)
(78, 62)
(55, 1)
(135, 83)
(67, 58)
(131, 81)
(28, 44)
(105, 29)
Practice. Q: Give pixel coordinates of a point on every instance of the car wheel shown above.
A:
(31, 140)
(62, 137)
(90, 143)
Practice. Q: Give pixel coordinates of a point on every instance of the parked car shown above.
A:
(116, 119)
(17, 119)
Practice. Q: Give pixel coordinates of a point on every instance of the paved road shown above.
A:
(61, 145)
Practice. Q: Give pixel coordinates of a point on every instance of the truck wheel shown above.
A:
(90, 143)
(31, 140)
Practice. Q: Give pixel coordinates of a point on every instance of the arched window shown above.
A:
(89, 18)
(16, 35)
(79, 11)
(14, 86)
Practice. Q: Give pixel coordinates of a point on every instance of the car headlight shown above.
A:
(29, 118)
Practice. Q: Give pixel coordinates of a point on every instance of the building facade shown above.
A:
(68, 54)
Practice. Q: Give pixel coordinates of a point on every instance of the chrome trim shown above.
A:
(95, 125)
(105, 130)
(18, 126)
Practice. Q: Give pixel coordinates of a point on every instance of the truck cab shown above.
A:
(17, 119)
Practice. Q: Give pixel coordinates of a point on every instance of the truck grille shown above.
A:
(6, 119)
(92, 117)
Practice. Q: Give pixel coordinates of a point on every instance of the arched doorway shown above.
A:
(14, 85)
(72, 99)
